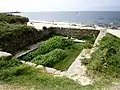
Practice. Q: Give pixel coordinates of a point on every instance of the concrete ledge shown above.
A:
(114, 32)
(5, 54)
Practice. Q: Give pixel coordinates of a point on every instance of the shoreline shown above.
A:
(40, 24)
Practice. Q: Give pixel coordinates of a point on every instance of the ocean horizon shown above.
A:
(83, 17)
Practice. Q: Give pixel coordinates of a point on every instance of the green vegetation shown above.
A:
(51, 58)
(57, 42)
(11, 19)
(16, 30)
(57, 52)
(6, 67)
(15, 34)
(12, 72)
(72, 52)
(53, 43)
(105, 61)
(14, 37)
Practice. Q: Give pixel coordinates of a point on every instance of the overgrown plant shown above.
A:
(51, 58)
(106, 60)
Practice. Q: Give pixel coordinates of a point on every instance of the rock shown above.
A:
(84, 81)
(39, 67)
(79, 41)
(81, 58)
(23, 62)
(64, 73)
(5, 54)
(57, 76)
(57, 72)
(50, 70)
(88, 56)
(30, 64)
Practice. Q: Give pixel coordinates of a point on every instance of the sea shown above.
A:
(83, 17)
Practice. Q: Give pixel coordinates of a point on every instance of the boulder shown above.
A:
(23, 62)
(57, 72)
(50, 70)
(64, 73)
(30, 64)
(39, 67)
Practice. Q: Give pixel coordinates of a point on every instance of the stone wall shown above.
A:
(75, 33)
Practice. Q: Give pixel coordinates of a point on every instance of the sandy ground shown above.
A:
(40, 24)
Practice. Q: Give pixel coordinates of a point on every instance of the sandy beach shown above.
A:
(40, 24)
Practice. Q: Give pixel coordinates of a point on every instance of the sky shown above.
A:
(59, 5)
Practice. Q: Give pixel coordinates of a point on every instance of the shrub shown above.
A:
(30, 56)
(7, 63)
(88, 45)
(12, 69)
(49, 45)
(53, 43)
(12, 19)
(51, 58)
(6, 66)
(14, 37)
(44, 28)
